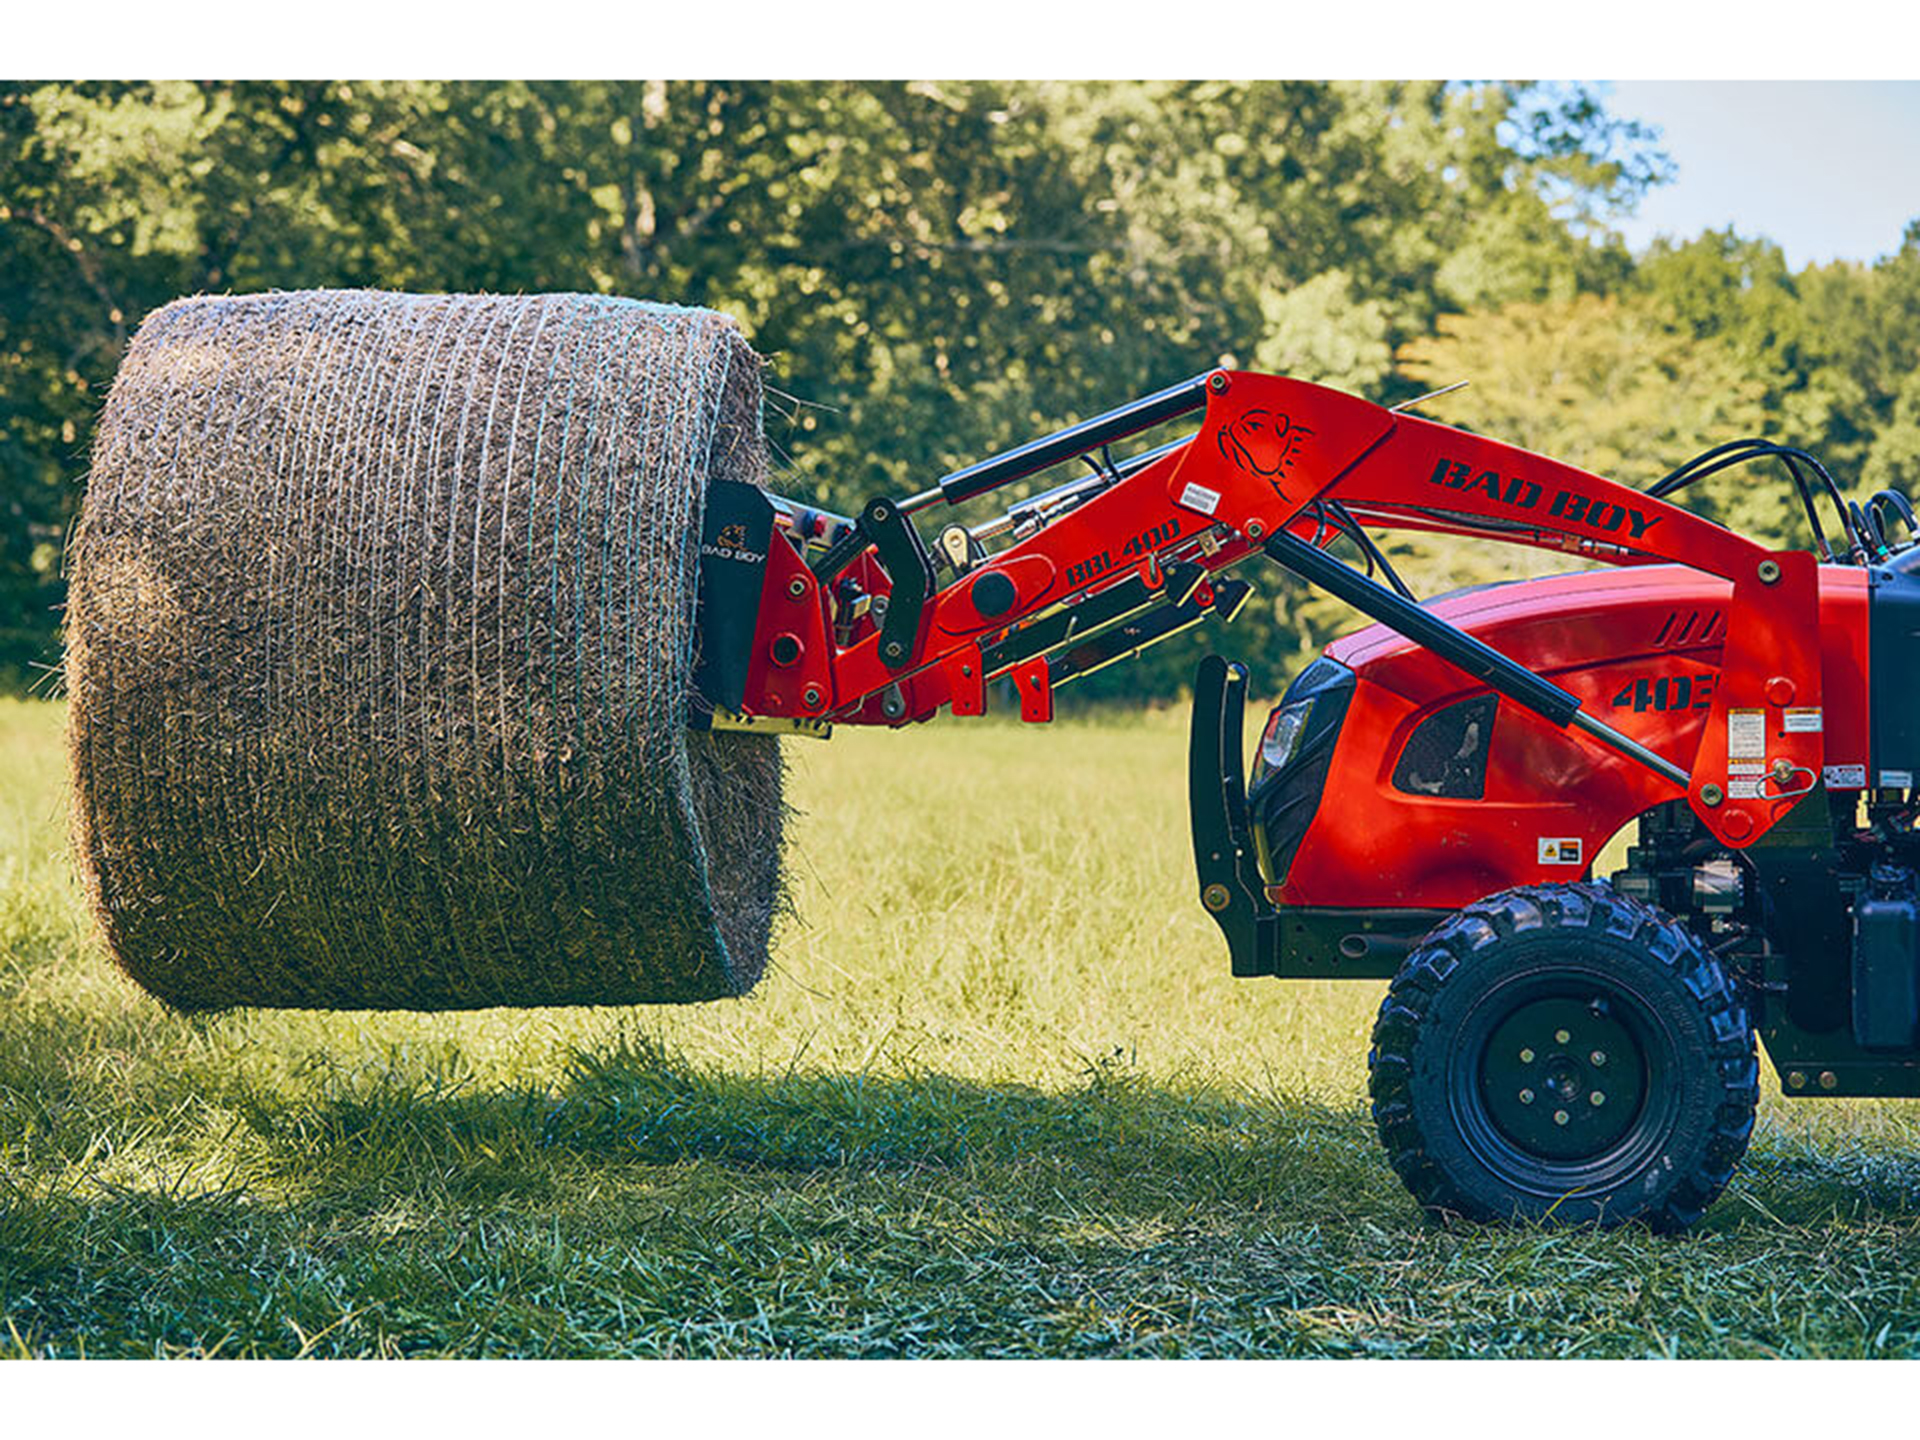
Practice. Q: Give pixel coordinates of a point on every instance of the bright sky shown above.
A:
(1829, 169)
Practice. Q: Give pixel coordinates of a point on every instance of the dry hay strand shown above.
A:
(379, 644)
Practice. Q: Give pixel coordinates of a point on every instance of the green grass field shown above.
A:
(999, 1097)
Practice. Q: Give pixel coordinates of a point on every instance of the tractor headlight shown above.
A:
(1282, 738)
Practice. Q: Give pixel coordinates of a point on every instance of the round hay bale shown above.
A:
(379, 642)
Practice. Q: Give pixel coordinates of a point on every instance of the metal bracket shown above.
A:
(722, 720)
(966, 678)
(1231, 887)
(1034, 682)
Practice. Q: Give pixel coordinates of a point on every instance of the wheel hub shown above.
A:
(1562, 1078)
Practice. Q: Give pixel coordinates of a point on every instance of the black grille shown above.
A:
(1446, 756)
(1284, 801)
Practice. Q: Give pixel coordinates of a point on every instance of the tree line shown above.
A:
(940, 270)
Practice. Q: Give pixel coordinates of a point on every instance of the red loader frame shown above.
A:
(811, 619)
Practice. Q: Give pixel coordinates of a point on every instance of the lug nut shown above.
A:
(1599, 1057)
(1562, 1036)
(1526, 1097)
(1597, 1098)
(1526, 1057)
(1559, 1117)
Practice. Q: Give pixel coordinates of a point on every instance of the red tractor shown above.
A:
(1428, 801)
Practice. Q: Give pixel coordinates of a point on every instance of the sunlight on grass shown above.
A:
(999, 1095)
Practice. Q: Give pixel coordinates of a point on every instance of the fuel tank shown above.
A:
(1388, 778)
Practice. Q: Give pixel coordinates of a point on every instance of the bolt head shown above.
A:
(796, 587)
(1561, 1037)
(1796, 1080)
(1526, 1057)
(1526, 1097)
(1560, 1117)
(1599, 1057)
(1598, 1097)
(1828, 1079)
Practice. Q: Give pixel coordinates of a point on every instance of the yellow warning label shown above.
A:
(1558, 850)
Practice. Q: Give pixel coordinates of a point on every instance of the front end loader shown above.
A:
(1429, 801)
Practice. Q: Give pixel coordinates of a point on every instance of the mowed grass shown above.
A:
(999, 1097)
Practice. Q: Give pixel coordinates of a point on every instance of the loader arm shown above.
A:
(857, 620)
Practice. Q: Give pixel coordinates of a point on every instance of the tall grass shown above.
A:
(998, 1097)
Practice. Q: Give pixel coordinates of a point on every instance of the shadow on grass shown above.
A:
(1116, 1142)
(645, 1205)
(712, 1190)
(1133, 1147)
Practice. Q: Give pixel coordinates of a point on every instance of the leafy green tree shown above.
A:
(936, 270)
(1894, 460)
(1318, 331)
(1612, 386)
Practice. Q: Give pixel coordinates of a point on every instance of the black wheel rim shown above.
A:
(1535, 1105)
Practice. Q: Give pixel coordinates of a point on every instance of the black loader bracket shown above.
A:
(1231, 888)
(1295, 943)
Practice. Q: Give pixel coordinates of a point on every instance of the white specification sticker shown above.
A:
(1846, 777)
(1199, 497)
(1744, 789)
(1896, 779)
(1802, 720)
(1747, 734)
(1559, 851)
(1746, 767)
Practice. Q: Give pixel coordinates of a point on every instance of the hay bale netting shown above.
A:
(379, 643)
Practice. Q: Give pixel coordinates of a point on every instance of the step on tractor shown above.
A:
(1429, 800)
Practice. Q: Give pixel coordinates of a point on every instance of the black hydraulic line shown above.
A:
(1134, 464)
(1677, 477)
(1903, 511)
(1343, 517)
(1812, 512)
(1696, 470)
(1449, 642)
(1050, 450)
(1738, 452)
(1876, 545)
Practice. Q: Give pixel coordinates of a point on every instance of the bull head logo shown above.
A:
(1263, 442)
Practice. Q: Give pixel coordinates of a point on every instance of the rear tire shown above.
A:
(1563, 1053)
